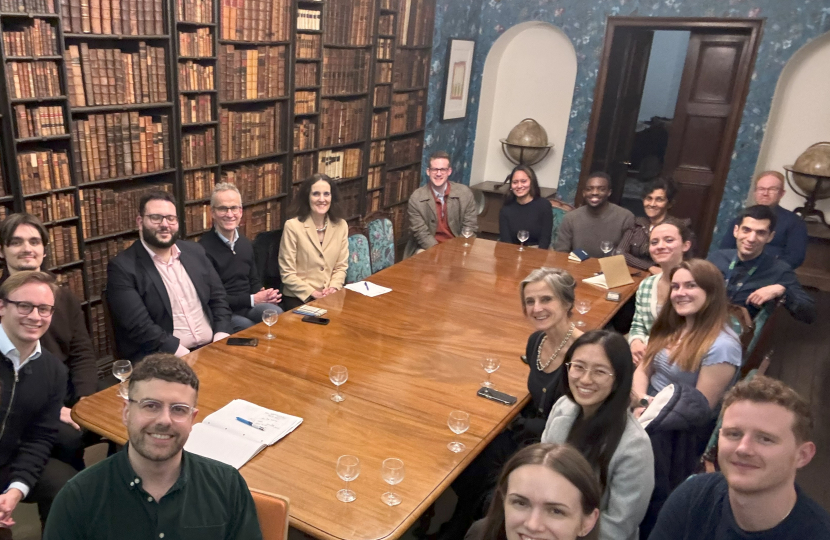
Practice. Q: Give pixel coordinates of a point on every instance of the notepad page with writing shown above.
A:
(277, 425)
(219, 444)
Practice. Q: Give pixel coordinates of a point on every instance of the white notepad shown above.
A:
(367, 288)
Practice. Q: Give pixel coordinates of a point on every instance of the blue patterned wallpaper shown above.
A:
(789, 26)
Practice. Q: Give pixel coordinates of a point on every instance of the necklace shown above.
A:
(325, 225)
(556, 352)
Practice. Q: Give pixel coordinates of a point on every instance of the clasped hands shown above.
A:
(267, 296)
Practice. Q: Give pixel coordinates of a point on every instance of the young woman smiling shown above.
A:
(594, 417)
(524, 209)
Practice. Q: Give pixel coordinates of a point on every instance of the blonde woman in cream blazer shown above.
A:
(314, 251)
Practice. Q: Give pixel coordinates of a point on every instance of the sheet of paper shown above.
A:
(215, 443)
(599, 281)
(368, 288)
(277, 425)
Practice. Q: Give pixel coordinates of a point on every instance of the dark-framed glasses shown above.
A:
(439, 171)
(24, 308)
(151, 408)
(227, 209)
(599, 375)
(156, 219)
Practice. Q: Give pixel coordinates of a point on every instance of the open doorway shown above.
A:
(669, 99)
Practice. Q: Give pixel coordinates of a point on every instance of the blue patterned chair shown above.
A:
(559, 210)
(381, 243)
(359, 262)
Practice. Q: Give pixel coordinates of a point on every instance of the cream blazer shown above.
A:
(305, 265)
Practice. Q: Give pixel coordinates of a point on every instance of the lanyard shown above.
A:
(740, 284)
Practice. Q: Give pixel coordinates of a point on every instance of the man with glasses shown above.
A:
(232, 255)
(154, 488)
(163, 293)
(32, 387)
(790, 241)
(439, 210)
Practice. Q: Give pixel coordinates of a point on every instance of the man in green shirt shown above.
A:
(153, 488)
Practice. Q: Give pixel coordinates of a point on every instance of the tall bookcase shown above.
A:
(104, 100)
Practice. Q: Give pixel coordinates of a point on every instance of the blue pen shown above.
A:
(249, 423)
(367, 285)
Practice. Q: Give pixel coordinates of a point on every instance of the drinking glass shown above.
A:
(392, 473)
(583, 307)
(348, 468)
(122, 369)
(269, 317)
(606, 246)
(466, 232)
(490, 365)
(523, 236)
(338, 375)
(459, 422)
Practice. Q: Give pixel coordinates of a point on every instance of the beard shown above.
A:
(151, 239)
(140, 442)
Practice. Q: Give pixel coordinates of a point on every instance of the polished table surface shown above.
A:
(413, 356)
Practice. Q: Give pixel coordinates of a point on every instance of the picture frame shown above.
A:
(457, 87)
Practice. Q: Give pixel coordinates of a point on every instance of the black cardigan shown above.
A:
(236, 269)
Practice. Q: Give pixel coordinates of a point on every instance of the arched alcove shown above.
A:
(800, 113)
(529, 72)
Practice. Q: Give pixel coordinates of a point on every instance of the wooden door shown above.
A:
(709, 109)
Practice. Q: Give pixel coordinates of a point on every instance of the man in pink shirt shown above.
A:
(163, 293)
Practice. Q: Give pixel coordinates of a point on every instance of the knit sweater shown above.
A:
(585, 228)
(236, 269)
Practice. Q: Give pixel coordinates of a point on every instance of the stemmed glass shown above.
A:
(269, 317)
(122, 369)
(583, 307)
(338, 375)
(466, 232)
(348, 468)
(606, 246)
(490, 365)
(523, 236)
(392, 473)
(459, 422)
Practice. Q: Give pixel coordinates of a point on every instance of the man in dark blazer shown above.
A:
(144, 278)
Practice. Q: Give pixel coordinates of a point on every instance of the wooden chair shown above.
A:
(272, 513)
(559, 209)
(360, 266)
(381, 236)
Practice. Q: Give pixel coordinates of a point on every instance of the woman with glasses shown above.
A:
(524, 209)
(594, 417)
(314, 251)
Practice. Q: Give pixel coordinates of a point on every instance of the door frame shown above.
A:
(751, 26)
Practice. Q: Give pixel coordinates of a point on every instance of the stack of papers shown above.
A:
(223, 437)
(367, 288)
(310, 310)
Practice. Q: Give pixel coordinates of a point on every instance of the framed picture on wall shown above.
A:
(459, 68)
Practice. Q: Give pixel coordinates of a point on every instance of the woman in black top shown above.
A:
(547, 296)
(524, 209)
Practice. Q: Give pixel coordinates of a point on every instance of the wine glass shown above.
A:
(606, 246)
(122, 369)
(338, 375)
(269, 317)
(348, 468)
(523, 236)
(490, 365)
(466, 232)
(583, 307)
(459, 422)
(392, 473)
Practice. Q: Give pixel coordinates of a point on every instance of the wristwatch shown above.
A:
(644, 402)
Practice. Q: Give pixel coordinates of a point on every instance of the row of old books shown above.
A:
(406, 150)
(247, 20)
(39, 121)
(400, 184)
(383, 73)
(249, 133)
(120, 144)
(341, 122)
(107, 211)
(400, 221)
(99, 76)
(305, 74)
(27, 6)
(411, 68)
(303, 167)
(195, 109)
(96, 257)
(373, 180)
(63, 245)
(415, 22)
(198, 11)
(199, 149)
(350, 198)
(384, 49)
(305, 135)
(101, 340)
(43, 170)
(197, 217)
(196, 43)
(345, 71)
(380, 122)
(73, 280)
(53, 207)
(386, 24)
(40, 79)
(37, 38)
(349, 22)
(383, 95)
(198, 184)
(260, 218)
(252, 73)
(307, 46)
(373, 201)
(195, 76)
(407, 112)
(377, 152)
(116, 17)
(308, 19)
(305, 102)
(339, 164)
(256, 182)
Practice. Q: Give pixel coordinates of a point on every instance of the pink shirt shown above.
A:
(190, 324)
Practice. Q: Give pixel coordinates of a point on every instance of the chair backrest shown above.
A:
(381, 243)
(272, 512)
(359, 260)
(559, 209)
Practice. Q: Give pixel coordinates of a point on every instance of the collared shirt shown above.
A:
(442, 228)
(209, 501)
(230, 243)
(190, 324)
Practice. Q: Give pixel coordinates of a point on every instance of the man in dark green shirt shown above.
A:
(153, 488)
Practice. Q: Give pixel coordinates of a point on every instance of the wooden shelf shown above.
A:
(110, 236)
(47, 138)
(103, 181)
(121, 108)
(116, 37)
(338, 46)
(308, 59)
(252, 43)
(31, 58)
(200, 168)
(306, 113)
(252, 158)
(415, 47)
(47, 192)
(191, 23)
(404, 166)
(66, 265)
(27, 15)
(405, 133)
(15, 101)
(197, 58)
(198, 91)
(249, 101)
(341, 145)
(413, 89)
(369, 190)
(60, 221)
(200, 124)
(197, 201)
(342, 96)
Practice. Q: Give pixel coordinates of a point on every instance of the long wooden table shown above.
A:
(413, 356)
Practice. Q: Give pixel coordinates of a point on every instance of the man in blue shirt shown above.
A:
(755, 277)
(790, 242)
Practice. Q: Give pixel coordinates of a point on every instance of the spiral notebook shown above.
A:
(221, 436)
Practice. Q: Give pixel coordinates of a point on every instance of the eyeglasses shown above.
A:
(599, 375)
(439, 171)
(24, 308)
(227, 209)
(151, 408)
(156, 219)
(767, 189)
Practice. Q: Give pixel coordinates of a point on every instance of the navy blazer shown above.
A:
(140, 307)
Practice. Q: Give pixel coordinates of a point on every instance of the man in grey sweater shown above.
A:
(596, 221)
